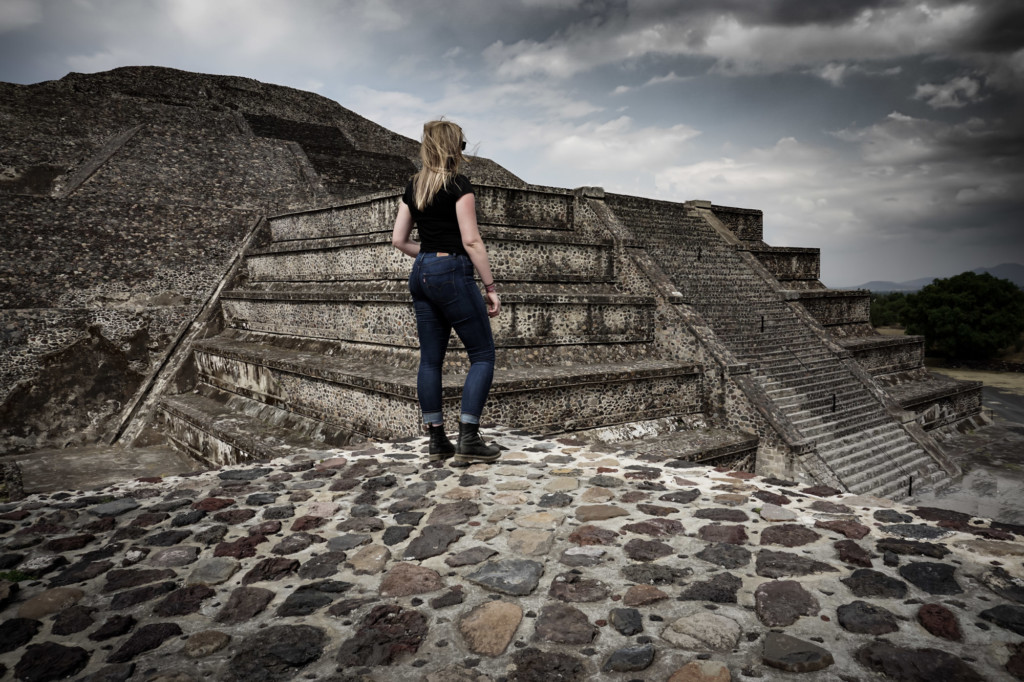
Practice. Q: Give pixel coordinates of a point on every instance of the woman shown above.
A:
(440, 202)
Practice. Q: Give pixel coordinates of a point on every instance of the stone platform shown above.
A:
(564, 561)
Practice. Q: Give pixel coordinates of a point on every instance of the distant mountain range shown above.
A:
(1011, 271)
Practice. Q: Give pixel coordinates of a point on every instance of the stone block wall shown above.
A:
(746, 223)
(789, 265)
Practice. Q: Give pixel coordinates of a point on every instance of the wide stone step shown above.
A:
(807, 383)
(895, 483)
(552, 398)
(514, 255)
(387, 317)
(837, 448)
(823, 408)
(795, 404)
(221, 428)
(846, 426)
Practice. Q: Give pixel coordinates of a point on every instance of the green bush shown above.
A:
(886, 309)
(967, 317)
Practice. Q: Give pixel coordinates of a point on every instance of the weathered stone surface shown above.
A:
(655, 527)
(527, 542)
(720, 514)
(771, 564)
(640, 595)
(914, 665)
(50, 661)
(115, 508)
(794, 655)
(775, 514)
(720, 589)
(850, 552)
(593, 535)
(865, 582)
(276, 653)
(72, 619)
(931, 577)
(1007, 616)
(915, 531)
(572, 587)
(599, 512)
(212, 571)
(432, 541)
(655, 574)
(146, 638)
(725, 554)
(310, 597)
(656, 510)
(564, 624)
(242, 548)
(369, 560)
(701, 671)
(455, 595)
(533, 665)
(733, 535)
(80, 572)
(270, 569)
(788, 535)
(867, 619)
(518, 577)
(115, 626)
(453, 513)
(129, 598)
(703, 630)
(627, 622)
(940, 621)
(629, 659)
(387, 632)
(49, 602)
(911, 547)
(205, 643)
(174, 557)
(489, 628)
(646, 550)
(406, 579)
(782, 602)
(847, 527)
(471, 556)
(183, 602)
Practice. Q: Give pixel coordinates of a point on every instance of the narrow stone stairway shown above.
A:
(859, 441)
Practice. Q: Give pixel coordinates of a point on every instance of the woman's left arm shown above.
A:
(403, 228)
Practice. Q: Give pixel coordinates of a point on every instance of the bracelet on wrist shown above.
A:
(489, 288)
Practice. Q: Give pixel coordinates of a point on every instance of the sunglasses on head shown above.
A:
(463, 145)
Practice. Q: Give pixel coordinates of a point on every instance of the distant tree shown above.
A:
(967, 317)
(887, 308)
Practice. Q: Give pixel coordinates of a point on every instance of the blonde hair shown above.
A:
(441, 154)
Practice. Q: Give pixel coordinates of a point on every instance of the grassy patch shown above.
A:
(16, 576)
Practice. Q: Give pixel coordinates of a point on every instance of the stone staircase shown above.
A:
(807, 381)
(319, 344)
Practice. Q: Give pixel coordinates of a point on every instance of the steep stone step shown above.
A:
(535, 318)
(515, 255)
(857, 461)
(836, 449)
(845, 426)
(331, 389)
(892, 479)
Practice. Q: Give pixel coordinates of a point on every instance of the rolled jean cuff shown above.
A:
(469, 418)
(433, 417)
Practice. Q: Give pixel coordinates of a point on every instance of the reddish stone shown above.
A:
(852, 553)
(639, 595)
(147, 519)
(593, 535)
(772, 498)
(270, 569)
(656, 510)
(1015, 666)
(212, 504)
(16, 515)
(606, 470)
(69, 544)
(850, 529)
(150, 479)
(717, 532)
(820, 491)
(233, 516)
(634, 496)
(655, 527)
(743, 475)
(241, 548)
(788, 535)
(939, 621)
(305, 523)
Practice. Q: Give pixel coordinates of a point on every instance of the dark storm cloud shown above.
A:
(1000, 27)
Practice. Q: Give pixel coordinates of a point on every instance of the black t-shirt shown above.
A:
(438, 223)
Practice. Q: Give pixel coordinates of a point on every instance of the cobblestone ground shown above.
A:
(564, 561)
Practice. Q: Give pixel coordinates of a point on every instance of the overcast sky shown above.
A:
(889, 133)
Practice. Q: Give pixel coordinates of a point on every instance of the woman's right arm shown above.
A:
(465, 211)
(403, 228)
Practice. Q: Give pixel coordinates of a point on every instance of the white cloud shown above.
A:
(618, 146)
(19, 14)
(669, 77)
(952, 94)
(836, 72)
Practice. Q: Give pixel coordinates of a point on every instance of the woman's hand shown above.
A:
(493, 304)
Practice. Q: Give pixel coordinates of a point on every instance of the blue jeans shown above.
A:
(445, 297)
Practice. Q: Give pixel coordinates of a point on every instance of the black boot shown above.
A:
(471, 448)
(440, 447)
